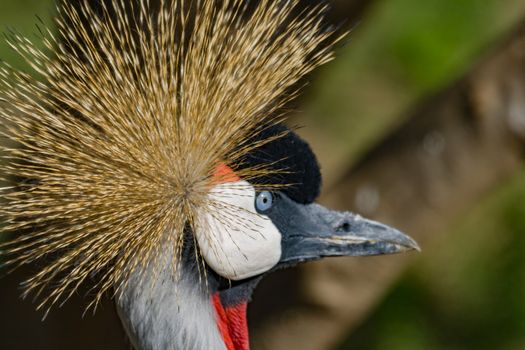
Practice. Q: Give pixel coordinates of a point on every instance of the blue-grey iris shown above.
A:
(264, 201)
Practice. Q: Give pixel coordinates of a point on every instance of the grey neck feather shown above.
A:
(171, 313)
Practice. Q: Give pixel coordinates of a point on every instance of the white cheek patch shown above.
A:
(235, 240)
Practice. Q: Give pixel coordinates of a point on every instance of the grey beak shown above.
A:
(311, 232)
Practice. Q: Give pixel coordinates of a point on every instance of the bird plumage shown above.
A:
(176, 313)
(117, 138)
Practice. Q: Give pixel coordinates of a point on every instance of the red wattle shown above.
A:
(232, 324)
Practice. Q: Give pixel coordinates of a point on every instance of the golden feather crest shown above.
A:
(115, 143)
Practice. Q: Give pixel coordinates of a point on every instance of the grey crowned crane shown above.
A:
(149, 160)
(292, 229)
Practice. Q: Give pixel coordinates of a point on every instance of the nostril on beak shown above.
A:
(344, 227)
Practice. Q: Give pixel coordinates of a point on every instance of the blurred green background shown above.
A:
(467, 292)
(22, 16)
(426, 95)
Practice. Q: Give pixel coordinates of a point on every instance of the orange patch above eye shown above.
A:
(224, 174)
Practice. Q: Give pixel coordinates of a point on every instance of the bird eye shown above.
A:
(264, 201)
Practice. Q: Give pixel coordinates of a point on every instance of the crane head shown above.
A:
(282, 225)
(278, 227)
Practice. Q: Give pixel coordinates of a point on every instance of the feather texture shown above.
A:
(114, 145)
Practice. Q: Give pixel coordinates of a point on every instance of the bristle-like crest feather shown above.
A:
(112, 148)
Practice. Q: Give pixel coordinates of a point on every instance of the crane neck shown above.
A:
(161, 311)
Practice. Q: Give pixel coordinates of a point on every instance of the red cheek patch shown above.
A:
(224, 174)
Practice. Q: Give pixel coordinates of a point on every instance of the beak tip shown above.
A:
(406, 243)
(413, 245)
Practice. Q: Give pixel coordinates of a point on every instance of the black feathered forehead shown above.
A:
(302, 177)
